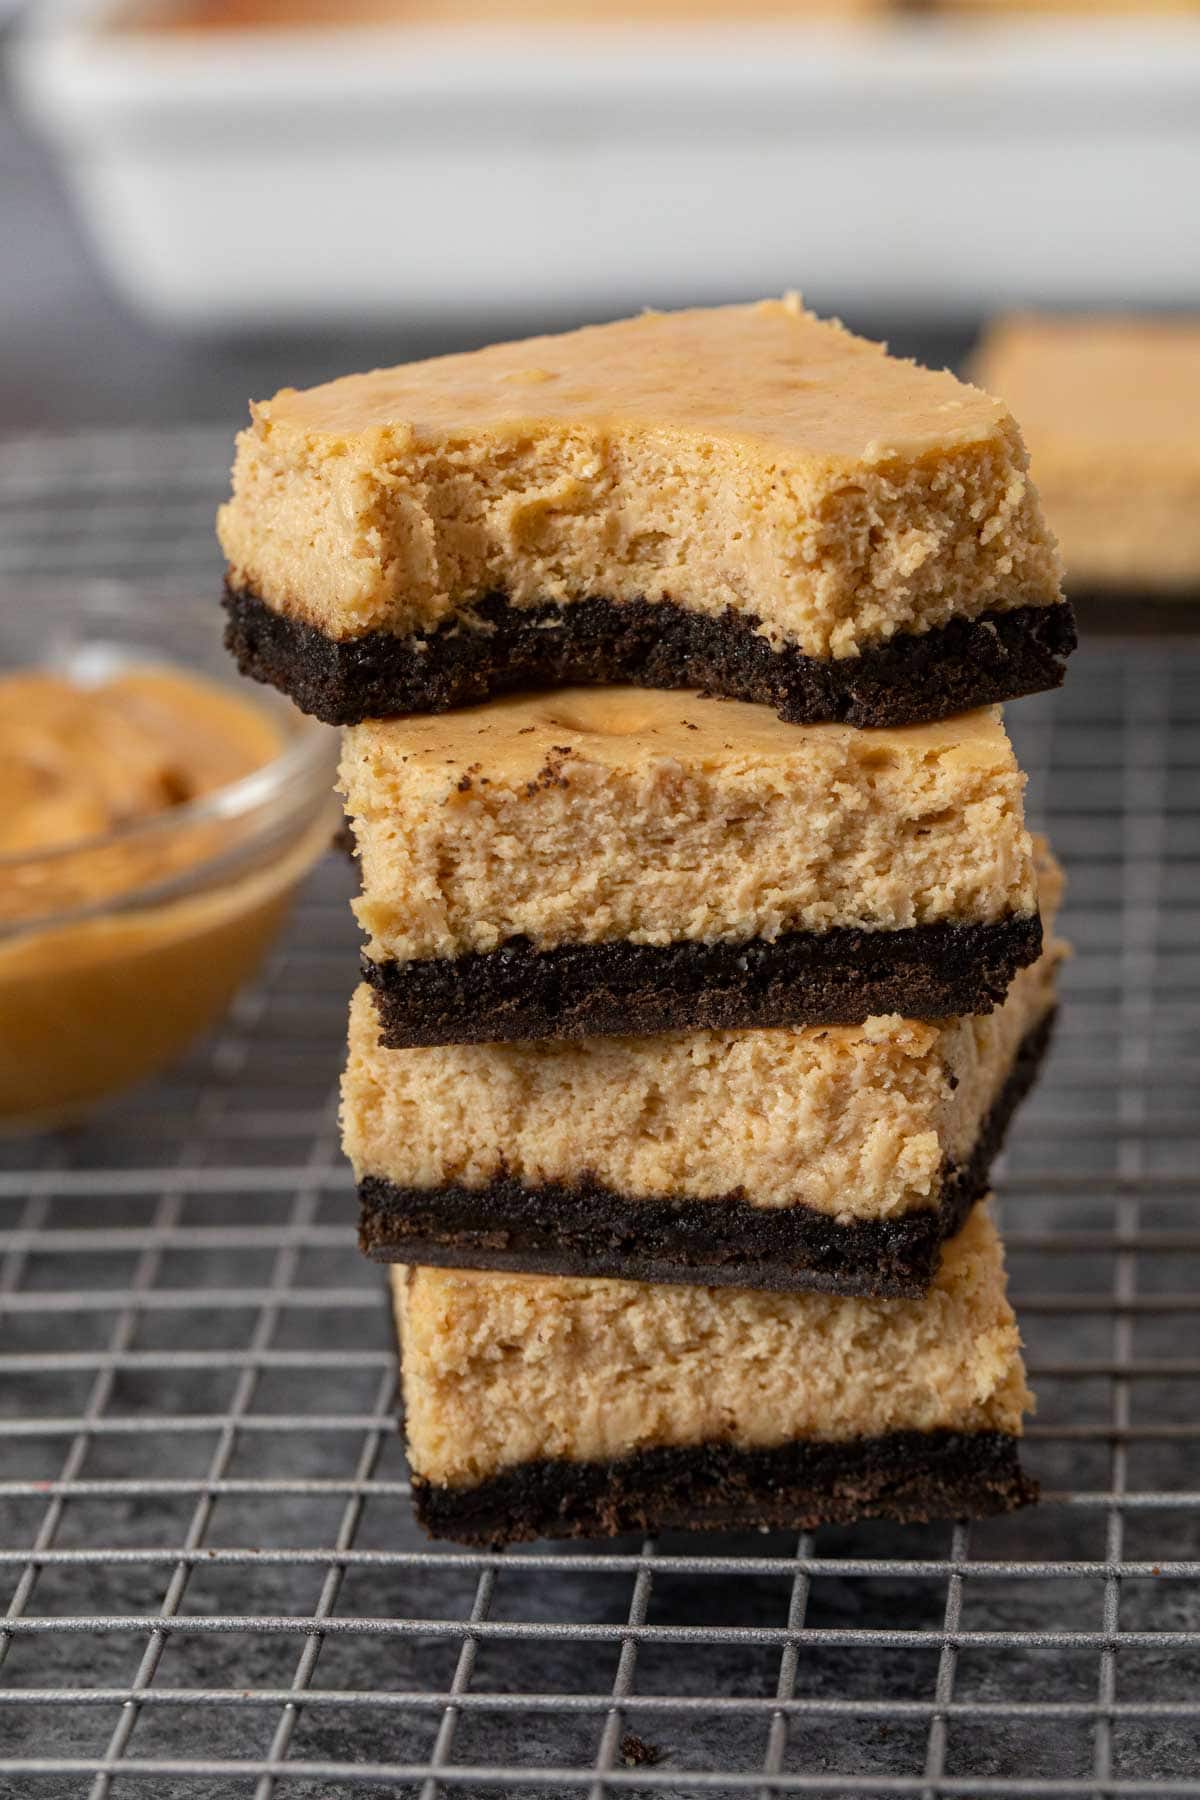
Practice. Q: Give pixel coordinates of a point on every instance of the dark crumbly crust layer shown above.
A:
(907, 1475)
(836, 977)
(908, 680)
(584, 1228)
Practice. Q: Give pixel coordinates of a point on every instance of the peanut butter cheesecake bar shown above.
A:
(835, 1159)
(542, 1407)
(744, 499)
(1109, 409)
(221, 16)
(614, 860)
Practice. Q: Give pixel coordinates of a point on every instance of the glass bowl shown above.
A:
(118, 950)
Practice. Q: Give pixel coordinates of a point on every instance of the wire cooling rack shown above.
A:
(214, 1586)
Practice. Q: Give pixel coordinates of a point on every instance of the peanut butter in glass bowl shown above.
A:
(156, 817)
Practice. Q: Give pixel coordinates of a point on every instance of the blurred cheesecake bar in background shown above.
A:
(743, 499)
(543, 1407)
(1109, 407)
(423, 16)
(435, 15)
(836, 1159)
(1019, 10)
(619, 860)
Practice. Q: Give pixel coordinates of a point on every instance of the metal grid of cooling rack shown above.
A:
(213, 1584)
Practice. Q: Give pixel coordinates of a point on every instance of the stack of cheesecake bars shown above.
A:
(707, 955)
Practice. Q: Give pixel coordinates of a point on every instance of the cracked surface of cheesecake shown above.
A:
(615, 860)
(742, 498)
(834, 1158)
(541, 1406)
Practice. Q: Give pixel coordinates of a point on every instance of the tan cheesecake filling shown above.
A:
(621, 813)
(856, 1122)
(506, 1369)
(751, 458)
(1108, 407)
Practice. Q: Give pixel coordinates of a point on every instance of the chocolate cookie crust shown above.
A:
(836, 977)
(906, 1475)
(584, 1228)
(911, 679)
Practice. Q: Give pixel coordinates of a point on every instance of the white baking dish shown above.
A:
(255, 180)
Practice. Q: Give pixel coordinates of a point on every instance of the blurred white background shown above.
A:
(204, 193)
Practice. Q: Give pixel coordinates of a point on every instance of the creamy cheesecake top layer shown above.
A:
(772, 376)
(597, 814)
(505, 1369)
(745, 457)
(512, 739)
